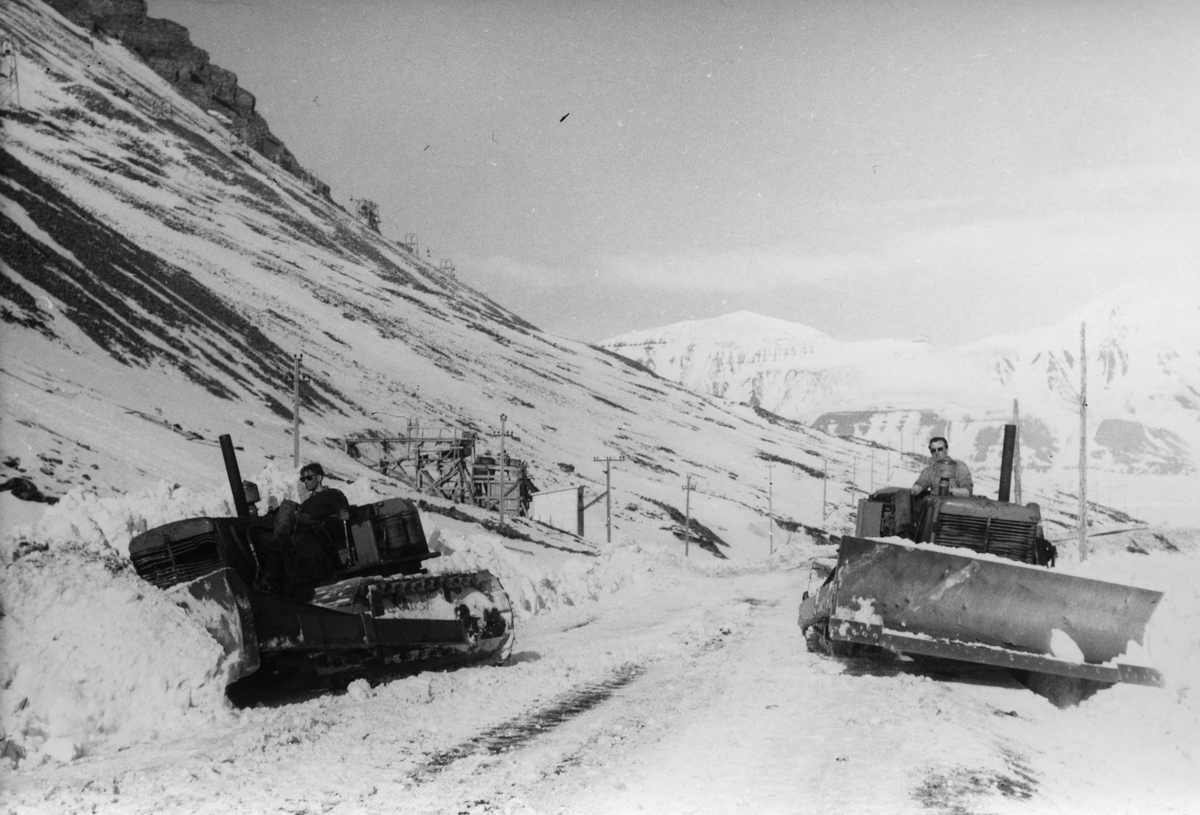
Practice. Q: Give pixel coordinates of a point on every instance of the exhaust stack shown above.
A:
(235, 477)
(1006, 462)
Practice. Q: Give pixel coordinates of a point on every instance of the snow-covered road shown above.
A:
(771, 728)
(688, 693)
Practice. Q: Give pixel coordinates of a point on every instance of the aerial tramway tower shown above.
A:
(10, 84)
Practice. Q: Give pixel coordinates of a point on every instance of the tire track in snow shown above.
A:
(514, 733)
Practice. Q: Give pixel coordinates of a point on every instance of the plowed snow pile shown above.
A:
(93, 654)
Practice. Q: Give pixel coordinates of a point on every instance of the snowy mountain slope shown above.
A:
(155, 278)
(1143, 381)
(156, 286)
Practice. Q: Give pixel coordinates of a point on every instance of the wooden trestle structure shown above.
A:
(444, 464)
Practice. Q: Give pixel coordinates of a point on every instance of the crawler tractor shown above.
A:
(378, 612)
(970, 579)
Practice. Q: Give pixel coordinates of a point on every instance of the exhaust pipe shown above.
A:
(1006, 462)
(235, 477)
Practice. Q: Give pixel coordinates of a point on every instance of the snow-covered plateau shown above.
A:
(159, 283)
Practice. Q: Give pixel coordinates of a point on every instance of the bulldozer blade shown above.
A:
(974, 606)
(850, 631)
(221, 603)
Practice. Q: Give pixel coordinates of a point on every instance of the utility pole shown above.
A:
(296, 412)
(1083, 546)
(687, 524)
(770, 509)
(503, 464)
(608, 460)
(824, 487)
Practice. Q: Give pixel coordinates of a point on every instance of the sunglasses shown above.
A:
(307, 478)
(937, 449)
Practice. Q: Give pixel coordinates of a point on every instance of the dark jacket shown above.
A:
(324, 503)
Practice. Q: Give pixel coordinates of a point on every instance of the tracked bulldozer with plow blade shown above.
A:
(376, 611)
(970, 579)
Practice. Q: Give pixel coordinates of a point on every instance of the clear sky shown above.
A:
(945, 169)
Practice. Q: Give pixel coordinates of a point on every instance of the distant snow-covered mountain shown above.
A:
(1143, 389)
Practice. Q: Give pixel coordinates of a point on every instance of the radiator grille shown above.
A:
(1015, 540)
(178, 561)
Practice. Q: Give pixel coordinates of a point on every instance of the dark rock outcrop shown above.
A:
(167, 47)
(26, 490)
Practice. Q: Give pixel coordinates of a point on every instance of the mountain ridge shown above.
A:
(1143, 384)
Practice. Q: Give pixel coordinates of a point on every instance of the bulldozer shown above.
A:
(377, 611)
(968, 579)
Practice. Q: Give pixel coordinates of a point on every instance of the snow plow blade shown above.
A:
(919, 599)
(175, 558)
(220, 602)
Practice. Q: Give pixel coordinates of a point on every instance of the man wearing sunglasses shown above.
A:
(322, 501)
(957, 474)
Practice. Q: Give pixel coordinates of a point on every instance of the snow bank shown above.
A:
(1172, 640)
(535, 587)
(93, 654)
(1157, 728)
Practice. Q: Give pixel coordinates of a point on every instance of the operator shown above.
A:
(322, 501)
(322, 513)
(942, 466)
(302, 549)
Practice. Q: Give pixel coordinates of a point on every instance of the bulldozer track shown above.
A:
(426, 584)
(516, 732)
(401, 589)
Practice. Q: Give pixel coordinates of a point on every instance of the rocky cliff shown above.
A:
(167, 48)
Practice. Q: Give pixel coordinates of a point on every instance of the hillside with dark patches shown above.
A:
(160, 287)
(131, 303)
